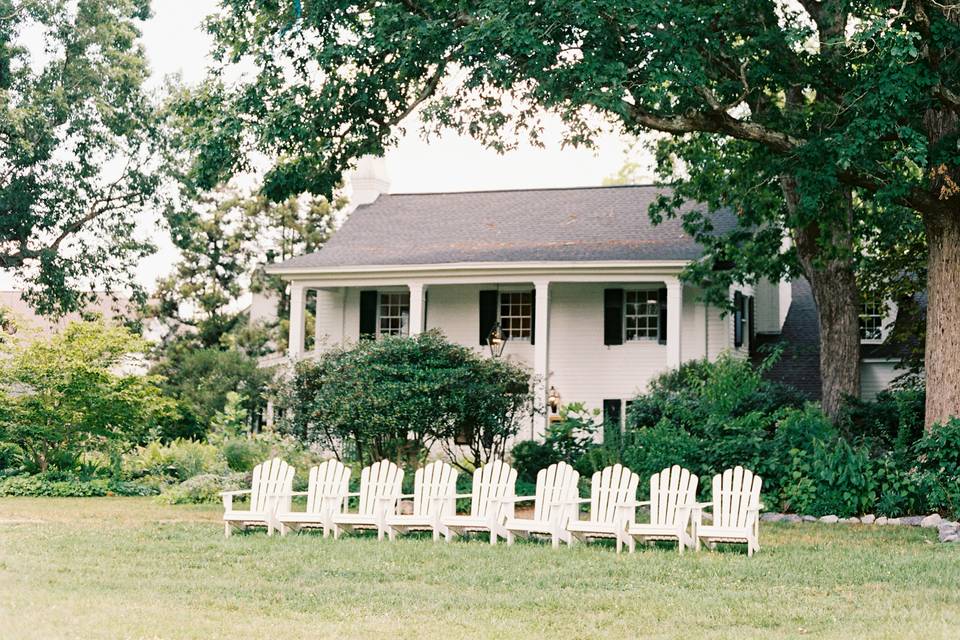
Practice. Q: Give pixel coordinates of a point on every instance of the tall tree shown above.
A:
(225, 238)
(78, 146)
(835, 104)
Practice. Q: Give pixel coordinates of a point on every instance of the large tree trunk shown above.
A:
(942, 352)
(835, 292)
(834, 284)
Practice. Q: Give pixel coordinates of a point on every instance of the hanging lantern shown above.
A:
(496, 340)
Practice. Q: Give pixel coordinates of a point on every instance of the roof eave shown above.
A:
(552, 268)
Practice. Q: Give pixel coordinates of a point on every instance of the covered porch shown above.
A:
(558, 321)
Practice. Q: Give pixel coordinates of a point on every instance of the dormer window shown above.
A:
(873, 319)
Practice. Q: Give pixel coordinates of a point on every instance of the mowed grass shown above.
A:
(130, 568)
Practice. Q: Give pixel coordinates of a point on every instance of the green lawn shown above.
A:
(129, 568)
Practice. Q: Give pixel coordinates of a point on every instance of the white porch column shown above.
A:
(297, 299)
(541, 351)
(674, 309)
(328, 323)
(416, 308)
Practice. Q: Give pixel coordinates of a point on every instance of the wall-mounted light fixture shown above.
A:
(496, 340)
(553, 399)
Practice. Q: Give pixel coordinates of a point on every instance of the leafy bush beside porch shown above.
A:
(711, 416)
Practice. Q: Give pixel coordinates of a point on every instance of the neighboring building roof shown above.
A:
(105, 305)
(532, 225)
(799, 364)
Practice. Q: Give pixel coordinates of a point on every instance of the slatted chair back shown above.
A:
(608, 488)
(496, 479)
(378, 481)
(328, 487)
(736, 492)
(435, 489)
(272, 481)
(670, 490)
(556, 490)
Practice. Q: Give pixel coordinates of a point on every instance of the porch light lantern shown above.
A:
(553, 399)
(496, 340)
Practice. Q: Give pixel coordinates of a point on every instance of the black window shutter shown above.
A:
(611, 421)
(751, 324)
(613, 316)
(738, 319)
(662, 299)
(368, 314)
(488, 313)
(533, 316)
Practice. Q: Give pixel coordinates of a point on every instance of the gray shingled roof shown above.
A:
(536, 225)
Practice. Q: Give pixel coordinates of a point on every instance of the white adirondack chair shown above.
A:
(269, 490)
(326, 495)
(736, 510)
(673, 496)
(379, 493)
(434, 496)
(492, 481)
(553, 505)
(610, 489)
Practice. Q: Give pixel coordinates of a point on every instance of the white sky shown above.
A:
(176, 43)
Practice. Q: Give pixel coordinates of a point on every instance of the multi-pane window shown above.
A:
(516, 314)
(641, 314)
(872, 315)
(394, 314)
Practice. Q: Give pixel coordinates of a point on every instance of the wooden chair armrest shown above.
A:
(570, 501)
(239, 492)
(631, 503)
(463, 495)
(513, 498)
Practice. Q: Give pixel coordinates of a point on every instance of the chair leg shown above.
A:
(227, 529)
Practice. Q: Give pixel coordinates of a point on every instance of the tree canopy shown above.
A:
(833, 123)
(78, 146)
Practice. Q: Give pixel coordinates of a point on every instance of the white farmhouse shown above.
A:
(583, 286)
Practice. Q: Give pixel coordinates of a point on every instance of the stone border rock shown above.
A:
(947, 531)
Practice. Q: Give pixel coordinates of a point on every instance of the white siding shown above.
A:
(767, 304)
(582, 368)
(875, 376)
(329, 323)
(455, 310)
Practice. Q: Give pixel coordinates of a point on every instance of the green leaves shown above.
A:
(79, 147)
(397, 396)
(67, 395)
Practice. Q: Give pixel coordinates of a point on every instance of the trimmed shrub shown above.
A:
(203, 489)
(40, 486)
(178, 460)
